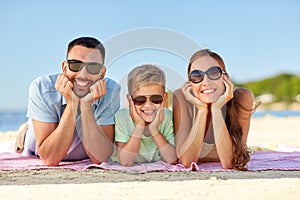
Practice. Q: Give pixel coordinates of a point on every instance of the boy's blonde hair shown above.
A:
(144, 75)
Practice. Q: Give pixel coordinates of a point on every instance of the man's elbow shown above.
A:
(50, 162)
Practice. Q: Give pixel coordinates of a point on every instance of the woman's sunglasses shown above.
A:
(91, 67)
(213, 73)
(140, 100)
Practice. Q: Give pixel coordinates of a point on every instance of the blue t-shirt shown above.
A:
(46, 104)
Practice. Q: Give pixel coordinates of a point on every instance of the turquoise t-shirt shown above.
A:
(124, 126)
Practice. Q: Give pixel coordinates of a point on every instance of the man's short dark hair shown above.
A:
(88, 42)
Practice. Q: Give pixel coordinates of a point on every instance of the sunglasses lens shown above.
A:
(214, 73)
(75, 66)
(156, 99)
(196, 76)
(93, 68)
(140, 100)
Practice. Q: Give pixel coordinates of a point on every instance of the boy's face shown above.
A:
(148, 109)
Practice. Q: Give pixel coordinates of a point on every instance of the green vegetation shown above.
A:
(285, 87)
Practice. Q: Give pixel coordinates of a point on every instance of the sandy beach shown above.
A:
(268, 131)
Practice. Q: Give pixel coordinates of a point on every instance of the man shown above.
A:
(71, 115)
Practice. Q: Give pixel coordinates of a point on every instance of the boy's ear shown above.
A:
(166, 100)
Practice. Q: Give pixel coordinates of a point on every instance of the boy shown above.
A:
(144, 132)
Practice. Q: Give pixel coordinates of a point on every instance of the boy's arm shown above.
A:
(127, 152)
(166, 149)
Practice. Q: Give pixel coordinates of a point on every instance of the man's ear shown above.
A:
(64, 66)
(103, 72)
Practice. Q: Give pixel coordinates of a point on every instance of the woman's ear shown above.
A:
(166, 99)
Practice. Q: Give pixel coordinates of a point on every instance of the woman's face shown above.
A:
(208, 91)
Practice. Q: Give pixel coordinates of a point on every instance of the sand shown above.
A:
(268, 131)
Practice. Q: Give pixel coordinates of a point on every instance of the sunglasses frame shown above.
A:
(84, 64)
(139, 102)
(206, 73)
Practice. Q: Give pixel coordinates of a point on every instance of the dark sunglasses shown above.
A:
(140, 100)
(213, 73)
(91, 67)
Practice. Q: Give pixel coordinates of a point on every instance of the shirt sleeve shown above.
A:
(39, 106)
(109, 105)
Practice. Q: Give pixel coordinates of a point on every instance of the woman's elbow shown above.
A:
(186, 162)
(227, 165)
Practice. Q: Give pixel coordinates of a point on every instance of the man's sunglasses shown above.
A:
(213, 73)
(140, 100)
(91, 67)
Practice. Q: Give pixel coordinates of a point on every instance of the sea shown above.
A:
(11, 120)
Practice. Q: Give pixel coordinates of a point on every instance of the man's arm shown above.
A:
(97, 140)
(54, 139)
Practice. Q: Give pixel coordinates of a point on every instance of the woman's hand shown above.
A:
(187, 92)
(138, 120)
(228, 94)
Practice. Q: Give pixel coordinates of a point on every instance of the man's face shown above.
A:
(82, 80)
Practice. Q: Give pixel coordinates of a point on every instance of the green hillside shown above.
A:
(285, 87)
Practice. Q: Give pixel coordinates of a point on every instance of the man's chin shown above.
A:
(81, 93)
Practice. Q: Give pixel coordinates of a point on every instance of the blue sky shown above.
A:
(257, 39)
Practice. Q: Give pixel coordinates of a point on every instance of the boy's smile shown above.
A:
(148, 109)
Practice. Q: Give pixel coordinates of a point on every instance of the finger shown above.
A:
(131, 105)
(101, 84)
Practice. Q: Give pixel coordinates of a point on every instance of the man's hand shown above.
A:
(64, 86)
(98, 90)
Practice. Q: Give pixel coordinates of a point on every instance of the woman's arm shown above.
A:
(245, 99)
(188, 135)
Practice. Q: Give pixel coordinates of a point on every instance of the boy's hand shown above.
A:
(159, 118)
(138, 120)
(228, 94)
(64, 86)
(187, 92)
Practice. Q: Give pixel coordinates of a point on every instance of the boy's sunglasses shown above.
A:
(213, 73)
(140, 100)
(91, 67)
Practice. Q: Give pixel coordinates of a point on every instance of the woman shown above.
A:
(211, 118)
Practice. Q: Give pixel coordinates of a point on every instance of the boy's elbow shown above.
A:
(126, 163)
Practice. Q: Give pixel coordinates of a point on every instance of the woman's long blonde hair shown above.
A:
(241, 154)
